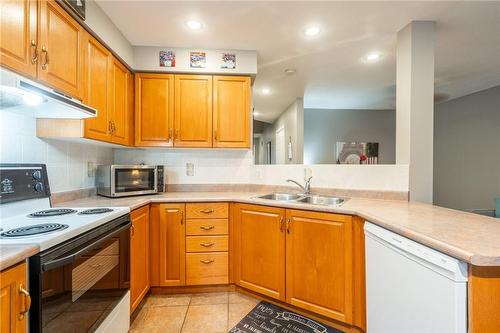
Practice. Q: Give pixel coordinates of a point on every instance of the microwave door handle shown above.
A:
(72, 257)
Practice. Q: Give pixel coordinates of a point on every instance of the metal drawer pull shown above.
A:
(207, 261)
(207, 211)
(207, 244)
(27, 302)
(34, 58)
(44, 51)
(207, 227)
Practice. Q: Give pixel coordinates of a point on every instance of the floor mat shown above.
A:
(266, 317)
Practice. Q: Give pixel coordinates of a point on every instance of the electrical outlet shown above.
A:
(189, 169)
(90, 169)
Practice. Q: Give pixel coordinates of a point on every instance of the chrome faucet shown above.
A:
(306, 188)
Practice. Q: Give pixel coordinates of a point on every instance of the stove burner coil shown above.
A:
(52, 212)
(95, 211)
(31, 230)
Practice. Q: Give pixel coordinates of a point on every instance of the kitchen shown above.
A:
(144, 161)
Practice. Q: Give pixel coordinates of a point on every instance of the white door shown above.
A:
(280, 145)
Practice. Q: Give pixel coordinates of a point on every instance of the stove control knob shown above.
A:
(38, 187)
(37, 175)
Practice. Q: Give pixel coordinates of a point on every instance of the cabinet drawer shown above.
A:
(207, 268)
(216, 210)
(207, 243)
(207, 227)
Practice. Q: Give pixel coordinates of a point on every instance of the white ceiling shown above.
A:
(330, 73)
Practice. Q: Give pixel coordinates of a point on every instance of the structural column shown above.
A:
(415, 106)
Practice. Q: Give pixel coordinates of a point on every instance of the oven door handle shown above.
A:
(72, 257)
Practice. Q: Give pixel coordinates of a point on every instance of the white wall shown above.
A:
(236, 167)
(102, 25)
(467, 151)
(66, 162)
(323, 128)
(146, 58)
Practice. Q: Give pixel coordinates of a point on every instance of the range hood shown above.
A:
(17, 92)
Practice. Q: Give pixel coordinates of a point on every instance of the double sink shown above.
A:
(304, 198)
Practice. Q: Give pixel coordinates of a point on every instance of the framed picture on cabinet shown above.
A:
(198, 59)
(167, 58)
(228, 61)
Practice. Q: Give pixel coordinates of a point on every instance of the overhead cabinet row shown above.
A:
(192, 111)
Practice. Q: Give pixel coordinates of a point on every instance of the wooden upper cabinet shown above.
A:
(139, 256)
(231, 118)
(319, 264)
(61, 42)
(121, 112)
(18, 40)
(168, 245)
(259, 241)
(193, 111)
(13, 299)
(154, 109)
(98, 91)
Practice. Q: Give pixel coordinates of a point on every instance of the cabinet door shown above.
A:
(231, 112)
(139, 256)
(193, 111)
(154, 109)
(98, 92)
(259, 241)
(61, 41)
(168, 245)
(120, 111)
(14, 303)
(319, 263)
(18, 36)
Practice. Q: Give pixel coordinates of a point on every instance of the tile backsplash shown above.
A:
(66, 161)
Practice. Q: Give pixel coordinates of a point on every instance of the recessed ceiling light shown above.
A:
(266, 91)
(373, 57)
(194, 25)
(311, 31)
(290, 71)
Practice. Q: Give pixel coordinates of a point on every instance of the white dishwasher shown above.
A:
(411, 288)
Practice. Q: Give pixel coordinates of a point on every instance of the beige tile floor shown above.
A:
(197, 313)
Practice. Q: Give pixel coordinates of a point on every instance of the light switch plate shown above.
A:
(189, 169)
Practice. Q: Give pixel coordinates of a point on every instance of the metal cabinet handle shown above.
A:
(27, 302)
(281, 223)
(288, 224)
(207, 261)
(207, 244)
(132, 231)
(182, 217)
(110, 129)
(176, 135)
(215, 135)
(113, 127)
(170, 135)
(207, 211)
(207, 227)
(46, 62)
(34, 57)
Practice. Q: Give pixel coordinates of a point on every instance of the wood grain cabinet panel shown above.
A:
(99, 92)
(14, 304)
(199, 227)
(168, 245)
(154, 109)
(121, 112)
(259, 246)
(207, 268)
(18, 40)
(139, 256)
(61, 44)
(204, 210)
(319, 265)
(207, 243)
(231, 114)
(193, 111)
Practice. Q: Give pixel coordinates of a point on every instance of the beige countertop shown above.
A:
(13, 254)
(469, 237)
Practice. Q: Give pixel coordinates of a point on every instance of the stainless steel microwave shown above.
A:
(127, 180)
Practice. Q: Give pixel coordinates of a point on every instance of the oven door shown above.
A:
(133, 180)
(76, 285)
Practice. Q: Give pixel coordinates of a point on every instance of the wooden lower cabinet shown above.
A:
(139, 256)
(207, 268)
(319, 263)
(167, 245)
(259, 241)
(14, 299)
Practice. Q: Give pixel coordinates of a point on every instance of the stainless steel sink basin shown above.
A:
(281, 196)
(322, 200)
